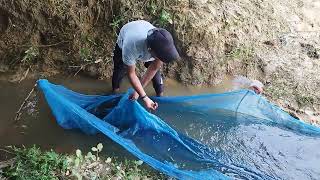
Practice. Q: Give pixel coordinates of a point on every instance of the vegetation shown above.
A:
(261, 43)
(164, 18)
(241, 53)
(32, 163)
(116, 23)
(85, 54)
(304, 100)
(30, 55)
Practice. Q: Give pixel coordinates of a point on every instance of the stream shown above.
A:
(38, 126)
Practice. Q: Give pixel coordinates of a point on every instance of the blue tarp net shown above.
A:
(234, 135)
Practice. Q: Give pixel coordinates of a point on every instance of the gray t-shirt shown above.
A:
(132, 41)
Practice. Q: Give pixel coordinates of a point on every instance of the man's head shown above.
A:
(161, 44)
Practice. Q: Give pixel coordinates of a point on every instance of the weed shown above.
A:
(116, 22)
(88, 39)
(34, 164)
(30, 55)
(159, 13)
(241, 52)
(90, 49)
(304, 100)
(152, 8)
(164, 18)
(85, 54)
(91, 166)
(79, 162)
(276, 92)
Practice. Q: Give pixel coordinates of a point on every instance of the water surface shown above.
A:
(38, 126)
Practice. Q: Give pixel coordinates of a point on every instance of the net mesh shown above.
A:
(237, 135)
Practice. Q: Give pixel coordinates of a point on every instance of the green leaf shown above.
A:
(99, 146)
(139, 163)
(89, 155)
(94, 149)
(78, 153)
(108, 160)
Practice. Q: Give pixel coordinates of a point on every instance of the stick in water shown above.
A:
(18, 113)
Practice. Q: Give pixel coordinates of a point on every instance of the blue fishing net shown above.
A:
(234, 135)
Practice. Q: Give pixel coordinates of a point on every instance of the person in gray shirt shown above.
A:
(141, 41)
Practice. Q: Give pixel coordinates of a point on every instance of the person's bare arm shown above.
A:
(151, 71)
(134, 80)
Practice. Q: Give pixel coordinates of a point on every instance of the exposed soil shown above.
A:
(276, 42)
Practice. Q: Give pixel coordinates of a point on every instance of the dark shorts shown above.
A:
(119, 71)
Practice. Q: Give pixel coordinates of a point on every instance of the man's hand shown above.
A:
(134, 96)
(150, 104)
(256, 86)
(257, 90)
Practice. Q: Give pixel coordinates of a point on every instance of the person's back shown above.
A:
(132, 41)
(140, 40)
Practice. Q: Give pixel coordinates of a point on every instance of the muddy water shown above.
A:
(38, 126)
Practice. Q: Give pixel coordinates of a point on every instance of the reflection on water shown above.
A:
(253, 146)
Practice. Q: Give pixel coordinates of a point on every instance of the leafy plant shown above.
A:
(97, 150)
(87, 39)
(85, 54)
(78, 164)
(152, 8)
(32, 163)
(304, 100)
(243, 53)
(116, 22)
(164, 18)
(30, 55)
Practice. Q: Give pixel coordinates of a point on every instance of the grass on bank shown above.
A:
(32, 163)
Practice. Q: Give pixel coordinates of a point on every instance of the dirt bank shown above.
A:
(276, 42)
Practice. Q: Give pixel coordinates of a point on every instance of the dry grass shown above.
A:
(215, 38)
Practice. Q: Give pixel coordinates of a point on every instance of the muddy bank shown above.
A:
(272, 41)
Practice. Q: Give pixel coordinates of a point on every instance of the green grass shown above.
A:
(32, 163)
(117, 21)
(241, 53)
(304, 100)
(164, 18)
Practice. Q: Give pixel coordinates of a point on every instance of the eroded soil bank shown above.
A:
(276, 42)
